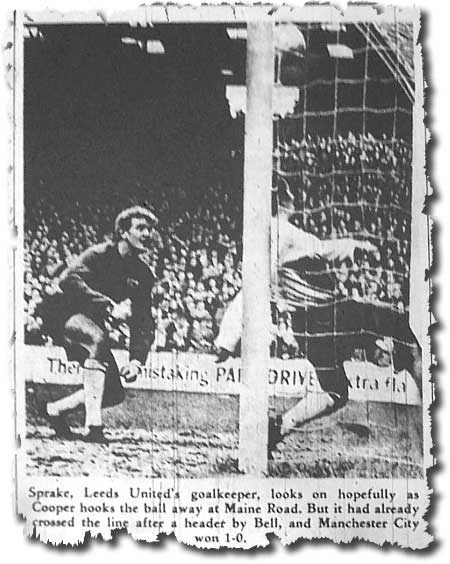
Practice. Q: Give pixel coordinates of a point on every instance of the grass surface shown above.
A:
(165, 434)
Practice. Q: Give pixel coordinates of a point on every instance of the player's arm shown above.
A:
(308, 245)
(78, 280)
(343, 248)
(300, 244)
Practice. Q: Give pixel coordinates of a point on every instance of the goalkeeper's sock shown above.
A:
(311, 406)
(56, 408)
(94, 385)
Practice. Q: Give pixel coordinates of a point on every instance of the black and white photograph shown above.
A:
(133, 242)
(222, 255)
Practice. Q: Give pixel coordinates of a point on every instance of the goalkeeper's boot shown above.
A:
(62, 430)
(59, 424)
(96, 435)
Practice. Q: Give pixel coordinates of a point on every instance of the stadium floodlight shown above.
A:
(289, 38)
(152, 46)
(339, 51)
(155, 47)
(237, 33)
(129, 41)
(334, 26)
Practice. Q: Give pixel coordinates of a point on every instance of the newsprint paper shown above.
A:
(221, 302)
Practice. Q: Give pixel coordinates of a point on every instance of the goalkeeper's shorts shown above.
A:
(83, 337)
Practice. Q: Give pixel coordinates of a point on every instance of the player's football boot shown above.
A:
(96, 435)
(59, 424)
(61, 427)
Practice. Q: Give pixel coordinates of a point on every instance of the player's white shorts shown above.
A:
(231, 327)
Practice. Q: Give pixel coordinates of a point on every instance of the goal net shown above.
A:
(344, 156)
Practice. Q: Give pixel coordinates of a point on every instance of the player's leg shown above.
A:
(80, 329)
(416, 364)
(67, 403)
(230, 330)
(86, 343)
(114, 393)
(57, 411)
(329, 393)
(101, 380)
(94, 386)
(312, 406)
(54, 314)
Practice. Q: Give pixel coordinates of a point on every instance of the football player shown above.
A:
(108, 283)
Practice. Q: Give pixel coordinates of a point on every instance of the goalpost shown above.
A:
(258, 148)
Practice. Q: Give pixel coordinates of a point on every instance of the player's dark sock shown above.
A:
(59, 424)
(96, 435)
(222, 355)
(275, 435)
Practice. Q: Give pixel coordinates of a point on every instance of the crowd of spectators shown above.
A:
(356, 187)
(197, 263)
(348, 187)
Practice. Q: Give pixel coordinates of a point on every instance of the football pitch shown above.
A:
(161, 434)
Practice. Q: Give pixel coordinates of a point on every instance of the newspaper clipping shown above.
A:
(221, 297)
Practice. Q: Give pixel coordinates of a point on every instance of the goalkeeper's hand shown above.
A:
(131, 371)
(121, 311)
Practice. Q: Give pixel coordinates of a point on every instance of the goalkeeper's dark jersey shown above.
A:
(100, 276)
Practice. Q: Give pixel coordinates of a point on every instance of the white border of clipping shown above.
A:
(14, 542)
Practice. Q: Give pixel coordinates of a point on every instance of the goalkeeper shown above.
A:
(108, 283)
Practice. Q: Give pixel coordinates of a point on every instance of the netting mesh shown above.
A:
(344, 155)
